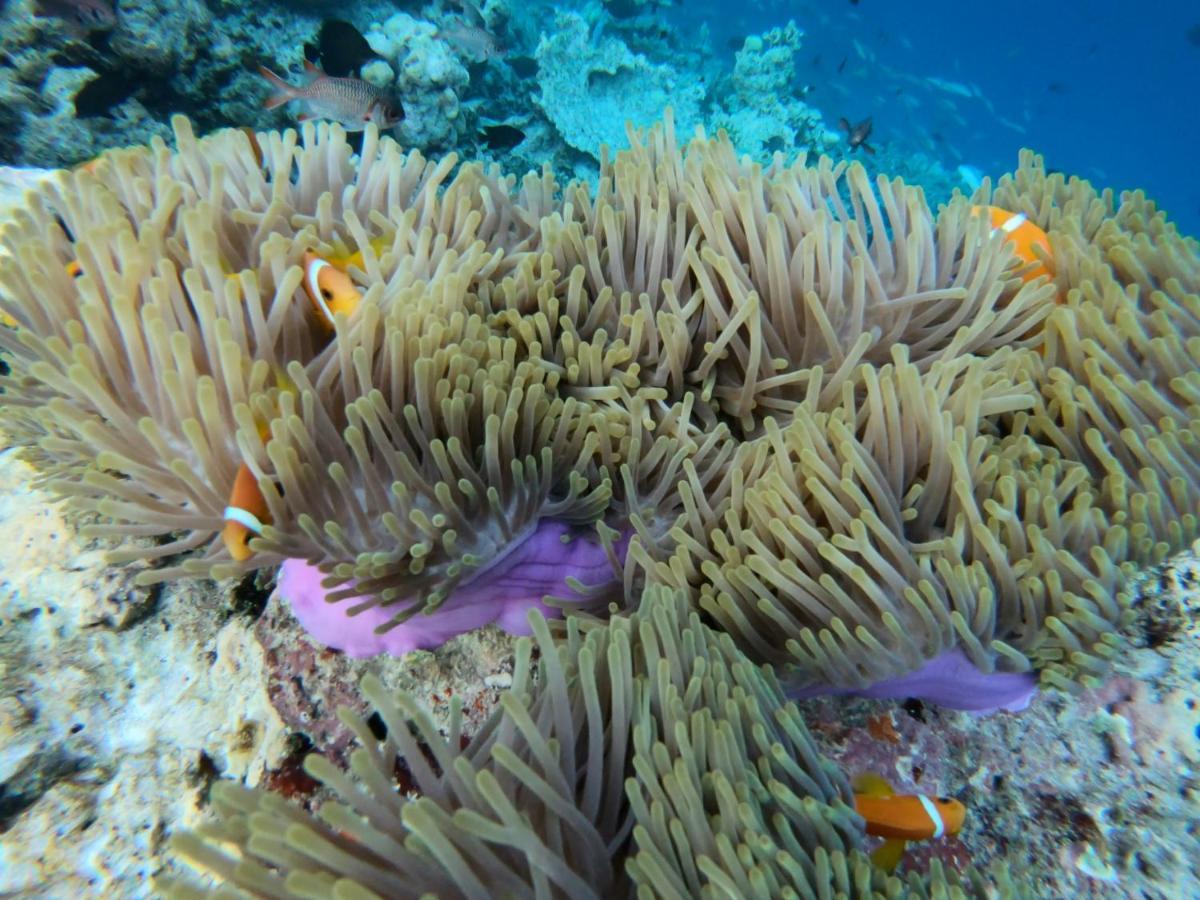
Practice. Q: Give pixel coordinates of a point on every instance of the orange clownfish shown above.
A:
(901, 818)
(356, 258)
(1024, 236)
(329, 288)
(245, 514)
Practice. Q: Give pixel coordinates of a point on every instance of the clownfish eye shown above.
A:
(326, 294)
(944, 800)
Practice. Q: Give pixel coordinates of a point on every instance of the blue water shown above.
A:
(1105, 90)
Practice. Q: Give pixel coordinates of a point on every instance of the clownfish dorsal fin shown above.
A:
(888, 854)
(872, 784)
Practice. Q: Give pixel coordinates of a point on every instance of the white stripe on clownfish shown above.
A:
(935, 817)
(1011, 224)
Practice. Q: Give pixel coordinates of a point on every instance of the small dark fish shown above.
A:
(523, 66)
(80, 15)
(622, 9)
(842, 64)
(736, 42)
(502, 137)
(1056, 87)
(340, 49)
(856, 135)
(1193, 35)
(107, 90)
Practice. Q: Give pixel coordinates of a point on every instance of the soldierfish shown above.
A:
(351, 102)
(474, 42)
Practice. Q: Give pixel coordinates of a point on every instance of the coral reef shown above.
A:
(590, 89)
(761, 110)
(70, 95)
(428, 78)
(98, 735)
(845, 430)
(556, 93)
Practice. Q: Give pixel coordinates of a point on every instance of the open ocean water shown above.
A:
(1103, 90)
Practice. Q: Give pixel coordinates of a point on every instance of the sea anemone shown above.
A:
(645, 758)
(845, 427)
(740, 414)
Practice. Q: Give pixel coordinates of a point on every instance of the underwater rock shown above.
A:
(102, 729)
(63, 138)
(160, 36)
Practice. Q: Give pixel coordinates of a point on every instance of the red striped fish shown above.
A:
(351, 102)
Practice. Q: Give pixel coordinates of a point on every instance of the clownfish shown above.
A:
(246, 511)
(355, 259)
(329, 288)
(244, 515)
(901, 818)
(1024, 236)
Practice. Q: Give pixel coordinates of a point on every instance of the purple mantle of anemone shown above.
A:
(538, 565)
(950, 680)
(535, 566)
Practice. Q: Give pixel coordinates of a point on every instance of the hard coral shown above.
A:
(764, 113)
(590, 88)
